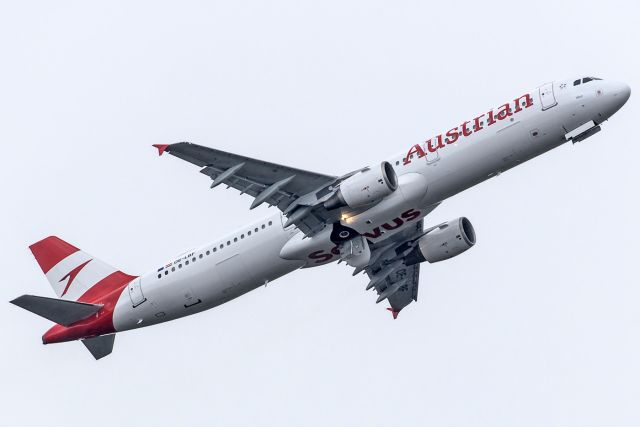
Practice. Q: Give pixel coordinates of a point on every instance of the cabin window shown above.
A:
(263, 226)
(173, 269)
(242, 236)
(256, 230)
(193, 259)
(186, 262)
(159, 276)
(179, 265)
(228, 242)
(221, 246)
(235, 239)
(208, 252)
(166, 272)
(215, 249)
(249, 233)
(270, 223)
(200, 256)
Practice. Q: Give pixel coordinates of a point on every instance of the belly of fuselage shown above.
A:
(185, 286)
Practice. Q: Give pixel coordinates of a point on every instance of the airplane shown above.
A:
(371, 218)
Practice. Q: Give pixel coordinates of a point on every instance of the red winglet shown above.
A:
(161, 148)
(393, 312)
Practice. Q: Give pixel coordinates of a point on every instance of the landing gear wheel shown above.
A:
(341, 233)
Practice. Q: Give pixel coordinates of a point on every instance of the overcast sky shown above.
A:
(537, 325)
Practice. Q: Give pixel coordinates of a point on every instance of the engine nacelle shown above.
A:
(364, 188)
(446, 241)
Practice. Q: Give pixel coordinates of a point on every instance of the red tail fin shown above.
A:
(77, 276)
(50, 251)
(70, 271)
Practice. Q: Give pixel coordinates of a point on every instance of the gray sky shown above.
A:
(536, 325)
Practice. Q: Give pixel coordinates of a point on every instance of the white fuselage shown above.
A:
(486, 145)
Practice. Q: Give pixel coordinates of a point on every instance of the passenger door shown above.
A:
(547, 97)
(135, 292)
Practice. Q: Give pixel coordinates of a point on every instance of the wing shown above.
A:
(297, 193)
(388, 275)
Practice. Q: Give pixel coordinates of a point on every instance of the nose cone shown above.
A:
(622, 91)
(618, 94)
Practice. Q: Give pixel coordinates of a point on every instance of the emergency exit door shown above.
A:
(547, 97)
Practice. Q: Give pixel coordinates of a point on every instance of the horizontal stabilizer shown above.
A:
(100, 346)
(63, 312)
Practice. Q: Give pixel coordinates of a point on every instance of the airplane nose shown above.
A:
(621, 94)
(625, 92)
(618, 95)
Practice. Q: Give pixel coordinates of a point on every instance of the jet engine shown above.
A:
(446, 241)
(364, 188)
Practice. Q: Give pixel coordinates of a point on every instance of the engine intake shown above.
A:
(446, 241)
(364, 188)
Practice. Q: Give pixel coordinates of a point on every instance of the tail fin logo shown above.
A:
(72, 276)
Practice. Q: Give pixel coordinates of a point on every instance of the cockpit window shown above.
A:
(576, 83)
(586, 79)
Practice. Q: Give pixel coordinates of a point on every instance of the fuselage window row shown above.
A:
(208, 252)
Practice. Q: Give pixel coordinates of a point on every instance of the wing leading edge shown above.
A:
(296, 192)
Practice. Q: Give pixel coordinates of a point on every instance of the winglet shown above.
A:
(393, 312)
(161, 148)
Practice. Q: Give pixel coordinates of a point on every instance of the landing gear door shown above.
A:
(547, 97)
(135, 292)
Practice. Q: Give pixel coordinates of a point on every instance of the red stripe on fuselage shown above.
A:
(106, 292)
